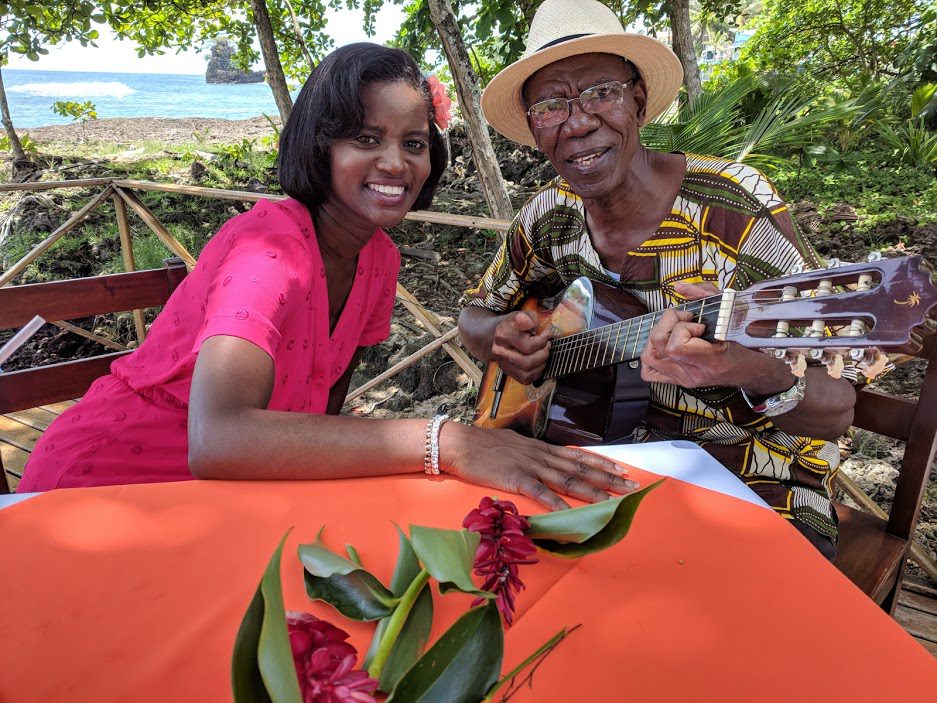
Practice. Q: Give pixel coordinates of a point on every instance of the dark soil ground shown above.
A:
(450, 260)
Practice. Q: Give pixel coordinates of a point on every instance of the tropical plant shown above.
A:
(835, 41)
(25, 28)
(79, 112)
(715, 124)
(912, 143)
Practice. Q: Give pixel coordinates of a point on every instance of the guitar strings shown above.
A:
(597, 342)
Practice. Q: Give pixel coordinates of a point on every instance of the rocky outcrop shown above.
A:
(221, 68)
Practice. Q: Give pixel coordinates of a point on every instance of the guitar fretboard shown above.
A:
(620, 341)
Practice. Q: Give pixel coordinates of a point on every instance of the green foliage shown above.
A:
(28, 143)
(419, 621)
(158, 25)
(79, 112)
(912, 143)
(462, 665)
(588, 529)
(354, 592)
(262, 666)
(716, 123)
(447, 555)
(880, 189)
(26, 26)
(835, 41)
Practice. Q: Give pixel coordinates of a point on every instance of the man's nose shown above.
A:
(580, 122)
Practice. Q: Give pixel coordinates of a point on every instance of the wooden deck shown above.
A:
(19, 432)
(917, 613)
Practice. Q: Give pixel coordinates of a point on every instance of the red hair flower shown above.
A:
(325, 662)
(504, 546)
(442, 105)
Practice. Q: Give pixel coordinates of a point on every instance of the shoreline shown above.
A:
(128, 131)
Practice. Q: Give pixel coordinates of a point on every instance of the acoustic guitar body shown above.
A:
(580, 408)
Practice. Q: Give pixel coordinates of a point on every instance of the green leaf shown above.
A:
(448, 556)
(262, 667)
(591, 528)
(341, 583)
(922, 97)
(417, 627)
(462, 665)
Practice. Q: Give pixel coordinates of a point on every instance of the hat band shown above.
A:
(562, 39)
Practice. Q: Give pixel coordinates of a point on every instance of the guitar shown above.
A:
(599, 332)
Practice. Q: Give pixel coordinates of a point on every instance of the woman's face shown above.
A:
(378, 173)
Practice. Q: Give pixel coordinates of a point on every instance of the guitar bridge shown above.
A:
(721, 329)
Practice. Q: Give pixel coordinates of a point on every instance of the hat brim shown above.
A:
(659, 67)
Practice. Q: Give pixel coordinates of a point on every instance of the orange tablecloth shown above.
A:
(135, 594)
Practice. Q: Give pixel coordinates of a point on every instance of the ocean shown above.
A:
(30, 95)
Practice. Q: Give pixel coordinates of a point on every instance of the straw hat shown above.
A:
(564, 28)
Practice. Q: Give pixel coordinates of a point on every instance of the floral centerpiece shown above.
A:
(295, 657)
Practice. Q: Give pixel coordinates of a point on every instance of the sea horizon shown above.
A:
(32, 92)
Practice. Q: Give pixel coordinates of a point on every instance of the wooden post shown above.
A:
(69, 327)
(432, 325)
(44, 245)
(401, 365)
(126, 250)
(489, 173)
(151, 221)
(854, 491)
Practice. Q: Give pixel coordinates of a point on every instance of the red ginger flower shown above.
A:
(504, 546)
(325, 662)
(442, 105)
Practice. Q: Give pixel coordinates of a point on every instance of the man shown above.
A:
(666, 228)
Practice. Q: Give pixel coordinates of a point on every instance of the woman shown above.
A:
(244, 372)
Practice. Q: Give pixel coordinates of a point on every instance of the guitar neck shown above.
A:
(620, 341)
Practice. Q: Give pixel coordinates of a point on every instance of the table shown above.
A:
(136, 592)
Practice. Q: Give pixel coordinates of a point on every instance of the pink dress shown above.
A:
(261, 278)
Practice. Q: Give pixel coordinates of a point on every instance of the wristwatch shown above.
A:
(780, 403)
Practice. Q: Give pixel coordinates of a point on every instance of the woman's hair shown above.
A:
(329, 108)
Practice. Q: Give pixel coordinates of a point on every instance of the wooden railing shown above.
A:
(123, 196)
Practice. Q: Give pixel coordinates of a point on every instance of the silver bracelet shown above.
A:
(431, 448)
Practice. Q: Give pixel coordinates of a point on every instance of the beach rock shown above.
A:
(221, 68)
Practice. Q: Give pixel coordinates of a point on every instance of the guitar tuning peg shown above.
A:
(796, 268)
(874, 256)
(798, 365)
(876, 367)
(833, 263)
(834, 365)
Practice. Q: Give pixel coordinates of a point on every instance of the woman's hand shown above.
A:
(506, 460)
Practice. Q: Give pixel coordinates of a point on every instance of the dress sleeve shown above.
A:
(265, 273)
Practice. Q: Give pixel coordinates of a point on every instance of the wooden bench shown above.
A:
(873, 551)
(46, 387)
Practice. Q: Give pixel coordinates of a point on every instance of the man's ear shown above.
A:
(640, 101)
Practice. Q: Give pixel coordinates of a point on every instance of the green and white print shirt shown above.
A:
(728, 226)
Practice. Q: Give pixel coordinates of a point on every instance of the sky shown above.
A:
(111, 54)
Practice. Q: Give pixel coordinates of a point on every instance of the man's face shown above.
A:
(591, 151)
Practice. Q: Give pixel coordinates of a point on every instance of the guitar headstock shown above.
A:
(854, 311)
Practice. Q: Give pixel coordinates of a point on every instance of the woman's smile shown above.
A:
(378, 173)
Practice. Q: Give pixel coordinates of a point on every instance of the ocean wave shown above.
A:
(91, 89)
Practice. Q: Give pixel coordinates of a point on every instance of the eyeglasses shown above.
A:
(598, 98)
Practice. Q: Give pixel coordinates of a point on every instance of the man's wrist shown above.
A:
(769, 379)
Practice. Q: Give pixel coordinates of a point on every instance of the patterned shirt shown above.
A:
(727, 226)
